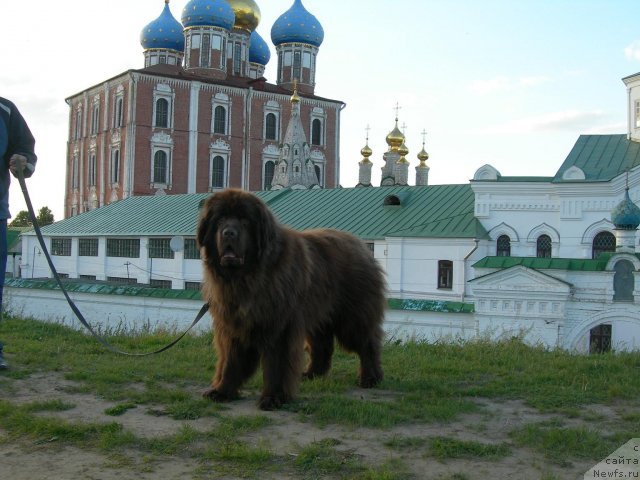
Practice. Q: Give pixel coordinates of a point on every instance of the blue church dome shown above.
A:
(626, 215)
(164, 32)
(297, 25)
(215, 13)
(259, 50)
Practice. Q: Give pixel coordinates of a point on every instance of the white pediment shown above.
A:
(519, 279)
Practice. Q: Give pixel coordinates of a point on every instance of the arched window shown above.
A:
(623, 281)
(600, 339)
(316, 132)
(220, 120)
(92, 173)
(270, 130)
(603, 242)
(115, 166)
(160, 167)
(269, 169)
(503, 246)
(217, 172)
(543, 246)
(118, 115)
(162, 113)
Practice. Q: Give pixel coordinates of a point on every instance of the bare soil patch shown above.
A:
(286, 434)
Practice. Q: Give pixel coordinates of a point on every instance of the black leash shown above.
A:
(71, 303)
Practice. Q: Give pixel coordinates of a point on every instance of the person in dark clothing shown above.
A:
(17, 154)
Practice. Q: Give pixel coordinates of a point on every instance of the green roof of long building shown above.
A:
(440, 211)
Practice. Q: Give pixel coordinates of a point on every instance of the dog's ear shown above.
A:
(207, 224)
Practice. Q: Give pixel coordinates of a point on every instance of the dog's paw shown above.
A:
(370, 381)
(270, 402)
(218, 396)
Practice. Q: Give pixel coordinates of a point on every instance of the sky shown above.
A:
(510, 83)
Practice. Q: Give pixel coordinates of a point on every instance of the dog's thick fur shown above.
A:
(272, 290)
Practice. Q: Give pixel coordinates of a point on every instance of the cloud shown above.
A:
(632, 52)
(567, 120)
(502, 83)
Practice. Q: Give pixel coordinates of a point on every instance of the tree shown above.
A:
(23, 219)
(45, 216)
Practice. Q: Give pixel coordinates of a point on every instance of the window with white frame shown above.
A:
(78, 129)
(317, 126)
(75, 170)
(118, 111)
(271, 126)
(161, 167)
(637, 113)
(220, 120)
(218, 170)
(269, 170)
(115, 165)
(95, 118)
(61, 247)
(205, 51)
(92, 170)
(163, 98)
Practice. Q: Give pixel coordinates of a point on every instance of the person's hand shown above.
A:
(17, 163)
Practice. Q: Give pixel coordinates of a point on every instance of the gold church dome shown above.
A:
(402, 149)
(395, 138)
(247, 14)
(366, 151)
(423, 156)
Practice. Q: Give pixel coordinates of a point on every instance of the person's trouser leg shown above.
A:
(3, 267)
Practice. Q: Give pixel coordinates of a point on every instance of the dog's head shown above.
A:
(236, 232)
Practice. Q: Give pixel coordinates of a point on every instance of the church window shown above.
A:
(316, 132)
(95, 119)
(217, 172)
(600, 339)
(270, 129)
(195, 40)
(78, 131)
(318, 174)
(543, 246)
(297, 63)
(637, 114)
(603, 242)
(503, 246)
(269, 169)
(74, 172)
(118, 112)
(623, 281)
(445, 274)
(115, 166)
(162, 113)
(160, 167)
(205, 51)
(220, 120)
(237, 58)
(223, 53)
(216, 42)
(92, 170)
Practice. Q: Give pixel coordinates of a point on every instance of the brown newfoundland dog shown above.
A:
(273, 291)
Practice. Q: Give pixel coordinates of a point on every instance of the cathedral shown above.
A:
(200, 116)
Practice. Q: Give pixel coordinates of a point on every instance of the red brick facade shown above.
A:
(112, 155)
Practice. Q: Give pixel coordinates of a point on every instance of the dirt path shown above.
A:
(47, 459)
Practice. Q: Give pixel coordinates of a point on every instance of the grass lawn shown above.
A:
(444, 411)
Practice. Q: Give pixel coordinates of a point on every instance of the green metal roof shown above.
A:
(601, 157)
(444, 211)
(575, 264)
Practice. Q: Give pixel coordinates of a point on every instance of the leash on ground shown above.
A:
(72, 304)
